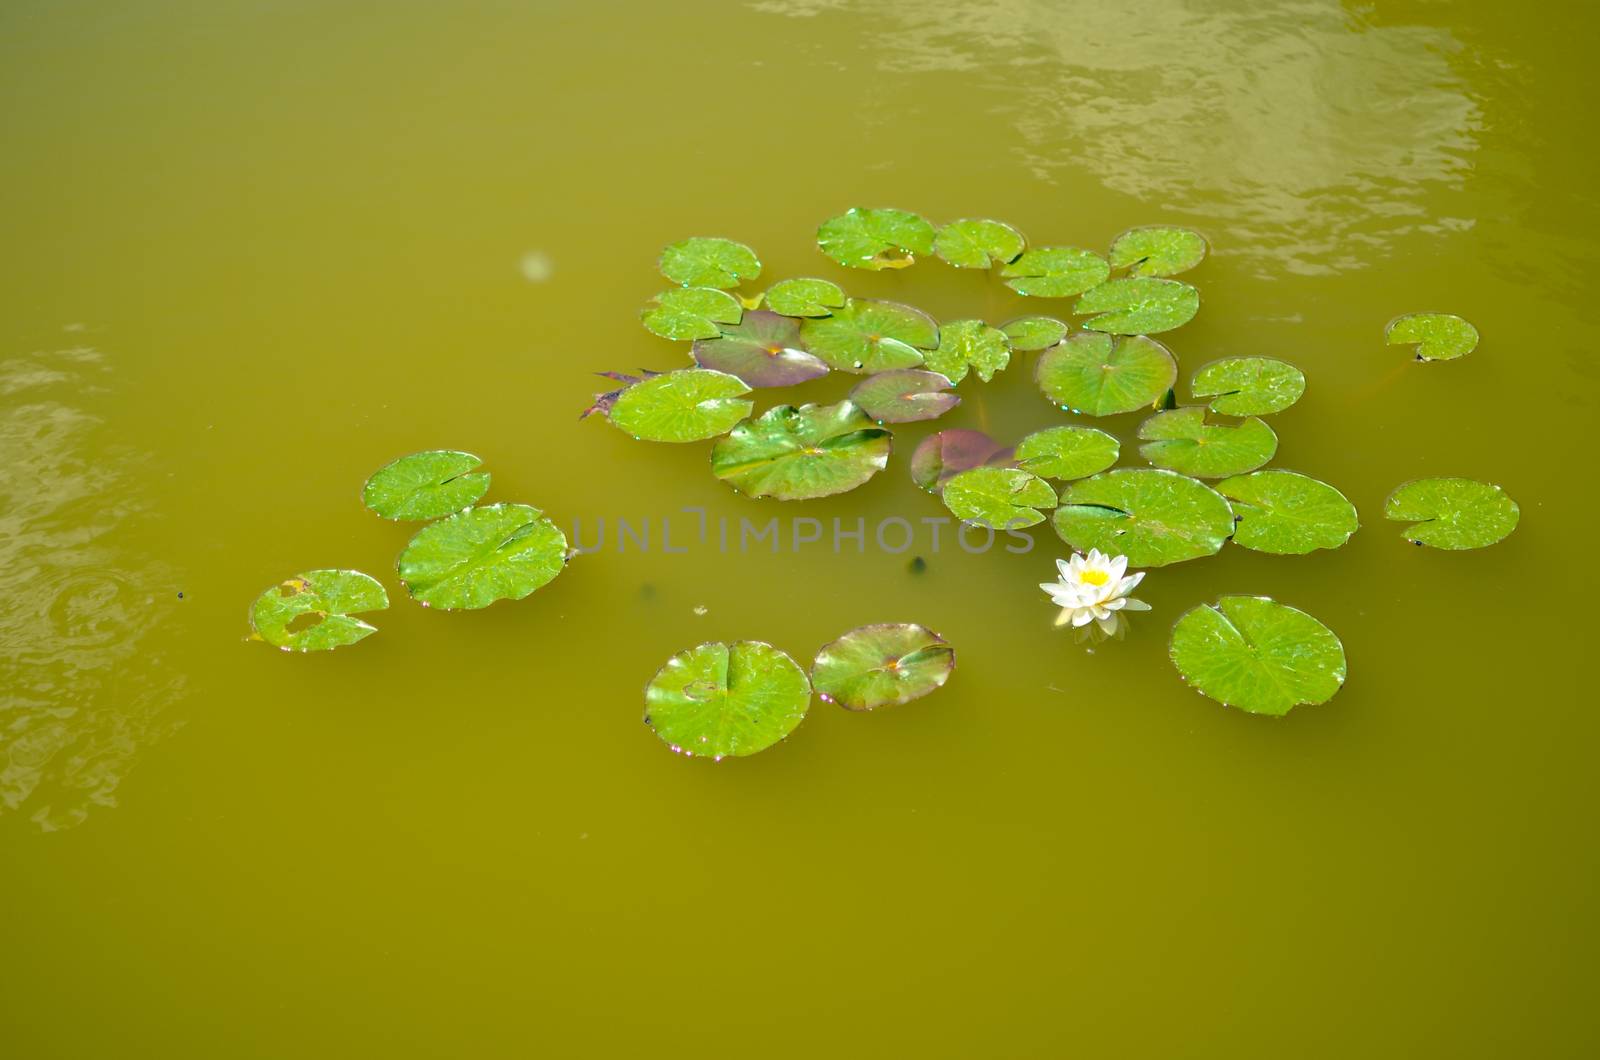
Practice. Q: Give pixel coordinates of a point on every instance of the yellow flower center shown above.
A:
(1094, 577)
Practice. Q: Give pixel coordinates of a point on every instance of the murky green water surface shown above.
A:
(253, 251)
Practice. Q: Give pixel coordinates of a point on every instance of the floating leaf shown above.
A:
(1139, 305)
(1067, 452)
(314, 611)
(721, 700)
(969, 343)
(1055, 272)
(1258, 655)
(869, 337)
(1288, 514)
(1003, 498)
(1439, 336)
(882, 665)
(804, 297)
(689, 405)
(690, 313)
(425, 485)
(701, 261)
(801, 453)
(976, 244)
(1152, 517)
(875, 239)
(1453, 513)
(1249, 386)
(1181, 440)
(1159, 250)
(904, 395)
(1098, 375)
(940, 457)
(475, 557)
(764, 349)
(1033, 333)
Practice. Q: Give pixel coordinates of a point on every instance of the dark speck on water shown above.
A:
(917, 565)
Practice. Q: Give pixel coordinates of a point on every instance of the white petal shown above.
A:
(1075, 565)
(1097, 558)
(1130, 604)
(1064, 617)
(1115, 605)
(1117, 567)
(1129, 583)
(1051, 587)
(1064, 568)
(1108, 626)
(1082, 617)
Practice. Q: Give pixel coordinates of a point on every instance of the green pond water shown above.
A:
(253, 251)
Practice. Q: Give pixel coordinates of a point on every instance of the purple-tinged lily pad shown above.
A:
(904, 396)
(940, 457)
(882, 665)
(763, 349)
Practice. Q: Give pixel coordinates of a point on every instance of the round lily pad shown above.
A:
(977, 244)
(1257, 655)
(1438, 336)
(1138, 305)
(940, 457)
(1153, 517)
(475, 557)
(702, 261)
(1067, 452)
(968, 344)
(1453, 513)
(904, 395)
(763, 349)
(690, 313)
(794, 454)
(1157, 250)
(867, 337)
(425, 485)
(804, 297)
(1033, 333)
(689, 405)
(1287, 513)
(315, 611)
(1249, 386)
(1181, 440)
(876, 238)
(882, 665)
(1099, 375)
(1055, 272)
(1003, 498)
(726, 700)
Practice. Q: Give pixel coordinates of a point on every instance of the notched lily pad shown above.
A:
(475, 557)
(876, 238)
(1152, 517)
(1067, 452)
(1288, 514)
(1138, 305)
(690, 313)
(425, 485)
(868, 337)
(726, 700)
(940, 457)
(1438, 336)
(1453, 513)
(1099, 375)
(1249, 386)
(315, 611)
(702, 261)
(689, 405)
(977, 244)
(882, 665)
(966, 344)
(794, 454)
(1055, 272)
(1181, 440)
(1257, 655)
(804, 297)
(1158, 250)
(1002, 498)
(1033, 333)
(763, 349)
(905, 395)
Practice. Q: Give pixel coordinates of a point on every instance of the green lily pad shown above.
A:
(726, 700)
(1249, 386)
(1439, 336)
(1067, 452)
(882, 665)
(1152, 517)
(690, 313)
(701, 261)
(314, 611)
(1257, 655)
(1453, 513)
(689, 405)
(1003, 498)
(868, 337)
(1288, 514)
(876, 239)
(977, 244)
(475, 557)
(763, 349)
(904, 395)
(804, 298)
(1099, 375)
(795, 454)
(1138, 305)
(940, 457)
(1055, 272)
(968, 344)
(1033, 333)
(425, 485)
(1181, 440)
(1159, 250)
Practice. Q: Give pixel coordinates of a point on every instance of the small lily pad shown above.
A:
(1438, 336)
(1249, 386)
(690, 313)
(1003, 498)
(1158, 250)
(1181, 440)
(940, 457)
(969, 344)
(805, 297)
(475, 557)
(794, 454)
(1257, 655)
(882, 665)
(977, 244)
(1453, 513)
(1055, 272)
(689, 405)
(1033, 333)
(904, 395)
(1067, 452)
(1099, 375)
(315, 611)
(1152, 517)
(868, 337)
(876, 239)
(1288, 514)
(702, 261)
(726, 700)
(1138, 305)
(425, 485)
(763, 349)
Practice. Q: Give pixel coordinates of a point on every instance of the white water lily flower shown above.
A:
(1094, 588)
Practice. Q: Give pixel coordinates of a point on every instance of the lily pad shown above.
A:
(1249, 386)
(1153, 517)
(977, 244)
(1067, 452)
(1055, 272)
(882, 665)
(904, 395)
(1098, 375)
(805, 297)
(690, 313)
(969, 344)
(1158, 250)
(868, 337)
(475, 557)
(1257, 655)
(702, 261)
(763, 349)
(1181, 440)
(1138, 305)
(726, 700)
(1288, 514)
(425, 485)
(940, 457)
(315, 611)
(795, 454)
(689, 405)
(1453, 513)
(1439, 336)
(1033, 333)
(876, 239)
(1004, 498)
